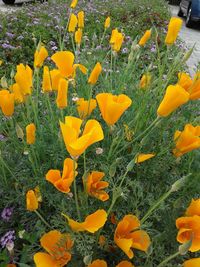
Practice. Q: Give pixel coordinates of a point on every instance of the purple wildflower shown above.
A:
(8, 238)
(6, 214)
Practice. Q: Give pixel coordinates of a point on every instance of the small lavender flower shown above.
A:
(6, 214)
(8, 238)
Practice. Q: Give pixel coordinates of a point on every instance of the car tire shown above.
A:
(189, 22)
(180, 12)
(9, 2)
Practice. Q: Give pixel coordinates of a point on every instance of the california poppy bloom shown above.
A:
(92, 223)
(73, 3)
(63, 183)
(187, 140)
(18, 95)
(125, 264)
(72, 23)
(40, 55)
(61, 99)
(112, 106)
(76, 145)
(173, 30)
(184, 80)
(64, 60)
(98, 263)
(46, 82)
(143, 157)
(24, 78)
(95, 185)
(7, 104)
(192, 263)
(78, 36)
(107, 23)
(175, 96)
(58, 248)
(128, 236)
(145, 81)
(30, 134)
(194, 90)
(95, 74)
(116, 40)
(189, 229)
(145, 38)
(55, 78)
(194, 208)
(31, 201)
(81, 19)
(11, 265)
(85, 107)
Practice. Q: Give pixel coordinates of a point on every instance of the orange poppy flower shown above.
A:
(125, 264)
(78, 36)
(31, 201)
(145, 81)
(128, 236)
(63, 183)
(192, 263)
(64, 60)
(40, 55)
(189, 229)
(11, 265)
(46, 82)
(81, 16)
(116, 40)
(98, 263)
(95, 186)
(184, 80)
(72, 23)
(76, 145)
(18, 95)
(30, 134)
(58, 248)
(85, 107)
(173, 30)
(55, 78)
(175, 96)
(112, 106)
(73, 3)
(7, 104)
(24, 78)
(107, 23)
(95, 74)
(187, 140)
(194, 90)
(145, 38)
(194, 208)
(61, 99)
(92, 223)
(143, 157)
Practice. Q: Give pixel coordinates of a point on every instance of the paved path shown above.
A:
(191, 37)
(8, 9)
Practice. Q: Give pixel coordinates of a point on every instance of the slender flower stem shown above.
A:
(168, 259)
(65, 31)
(75, 190)
(103, 36)
(73, 45)
(42, 219)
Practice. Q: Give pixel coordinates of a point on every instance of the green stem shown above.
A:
(75, 190)
(42, 219)
(169, 259)
(73, 45)
(103, 36)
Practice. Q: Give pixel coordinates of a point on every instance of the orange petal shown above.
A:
(125, 264)
(192, 263)
(143, 157)
(53, 175)
(44, 260)
(98, 263)
(194, 208)
(64, 60)
(141, 240)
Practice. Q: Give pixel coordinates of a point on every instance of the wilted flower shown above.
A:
(145, 38)
(95, 74)
(40, 55)
(85, 107)
(102, 240)
(63, 183)
(58, 248)
(127, 236)
(173, 30)
(30, 134)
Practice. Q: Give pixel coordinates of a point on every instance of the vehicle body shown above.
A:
(191, 10)
(9, 2)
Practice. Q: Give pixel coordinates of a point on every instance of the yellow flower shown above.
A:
(125, 264)
(72, 23)
(76, 145)
(145, 38)
(128, 236)
(55, 78)
(63, 183)
(98, 263)
(107, 23)
(143, 157)
(40, 55)
(192, 263)
(64, 60)
(30, 133)
(194, 91)
(112, 106)
(24, 78)
(31, 201)
(85, 107)
(187, 140)
(184, 80)
(58, 248)
(95, 74)
(116, 40)
(145, 81)
(175, 96)
(92, 223)
(194, 208)
(7, 104)
(73, 3)
(78, 36)
(18, 95)
(173, 30)
(95, 185)
(61, 99)
(46, 83)
(81, 19)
